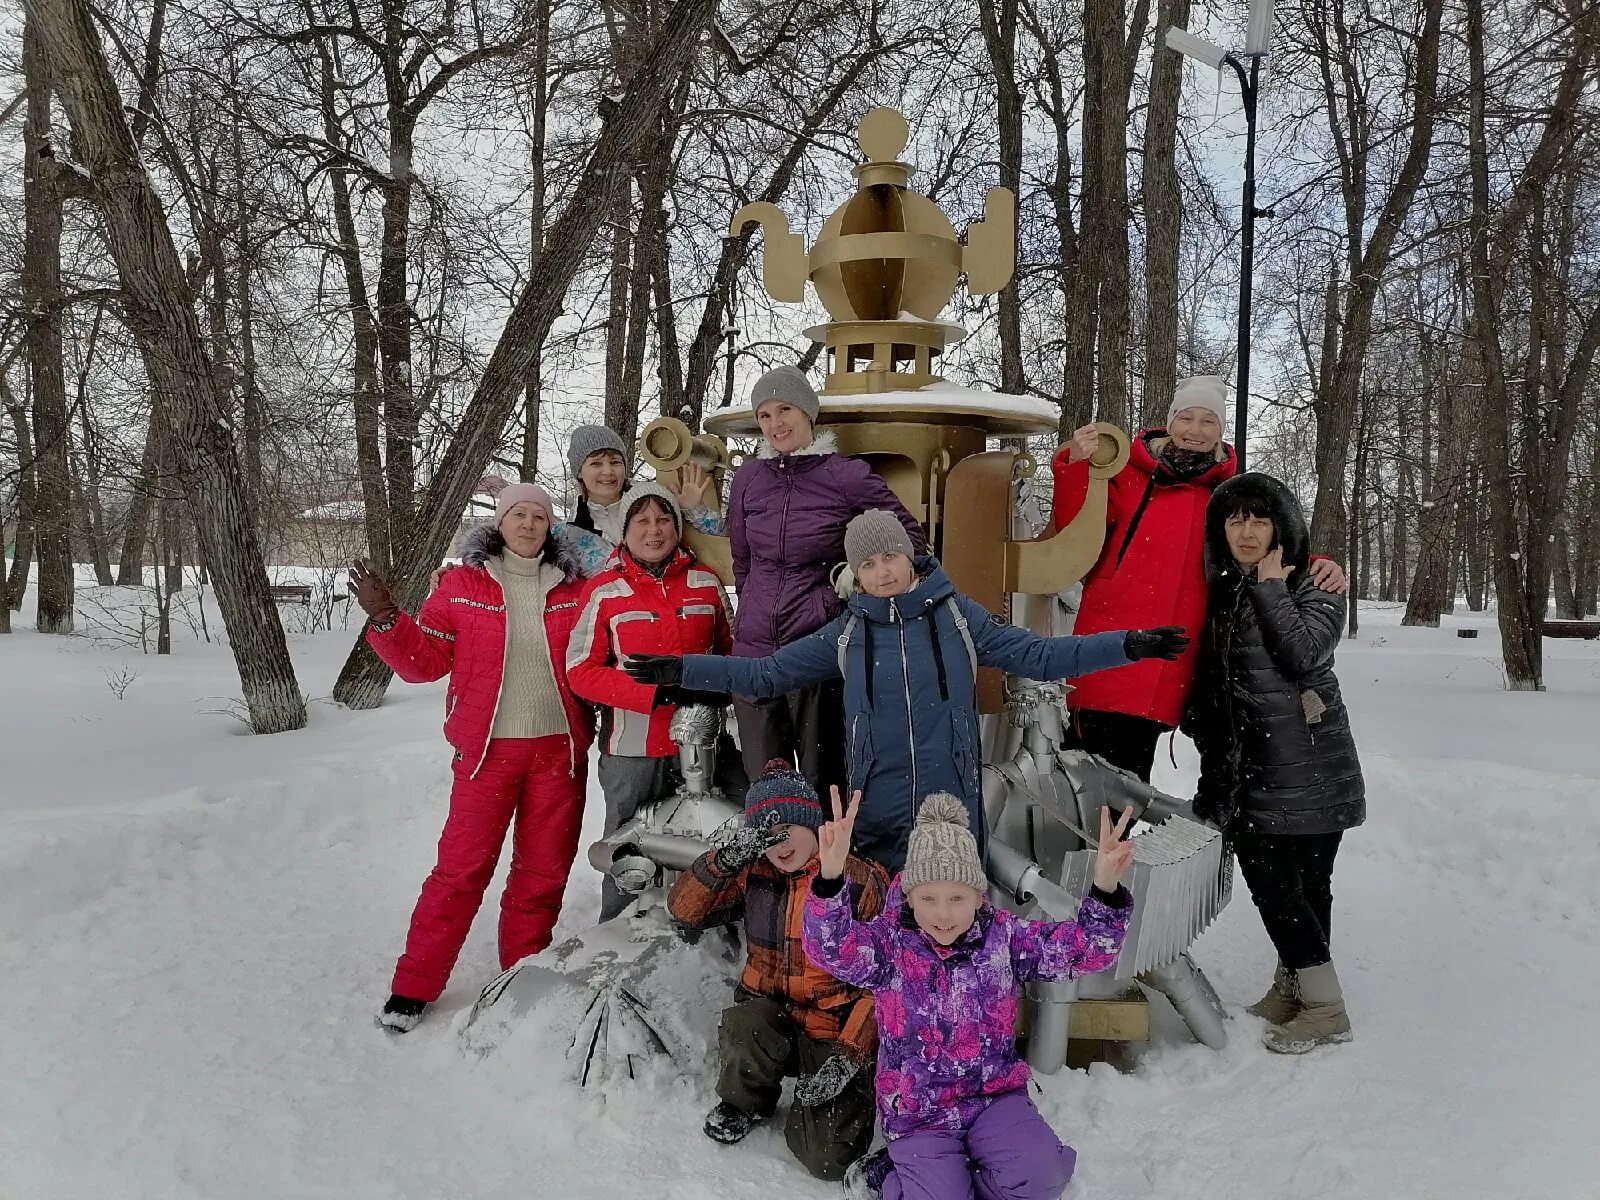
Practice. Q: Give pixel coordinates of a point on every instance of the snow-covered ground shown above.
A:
(196, 926)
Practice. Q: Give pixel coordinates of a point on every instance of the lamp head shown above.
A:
(1196, 48)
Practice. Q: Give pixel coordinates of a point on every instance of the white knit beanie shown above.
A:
(640, 492)
(942, 848)
(1201, 391)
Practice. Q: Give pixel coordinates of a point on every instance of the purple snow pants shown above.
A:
(1008, 1152)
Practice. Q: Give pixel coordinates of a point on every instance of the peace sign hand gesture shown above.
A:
(833, 838)
(1115, 855)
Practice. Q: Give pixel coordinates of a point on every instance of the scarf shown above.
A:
(1177, 465)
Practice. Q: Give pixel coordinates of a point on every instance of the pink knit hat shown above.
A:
(514, 494)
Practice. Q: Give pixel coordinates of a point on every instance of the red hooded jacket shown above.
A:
(1151, 572)
(627, 610)
(461, 632)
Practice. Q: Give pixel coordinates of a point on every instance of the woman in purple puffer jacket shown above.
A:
(787, 512)
(945, 969)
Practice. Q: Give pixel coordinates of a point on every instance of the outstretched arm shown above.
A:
(1033, 657)
(812, 659)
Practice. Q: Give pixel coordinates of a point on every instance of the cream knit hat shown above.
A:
(1201, 391)
(942, 848)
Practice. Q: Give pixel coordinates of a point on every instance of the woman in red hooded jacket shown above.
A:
(498, 625)
(1151, 570)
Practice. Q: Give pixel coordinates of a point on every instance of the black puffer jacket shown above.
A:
(1276, 751)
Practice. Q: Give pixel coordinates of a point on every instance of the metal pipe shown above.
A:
(1183, 983)
(674, 851)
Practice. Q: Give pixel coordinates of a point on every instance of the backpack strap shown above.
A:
(960, 620)
(844, 641)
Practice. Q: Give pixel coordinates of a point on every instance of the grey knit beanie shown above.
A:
(591, 439)
(790, 385)
(1201, 391)
(875, 531)
(943, 849)
(640, 492)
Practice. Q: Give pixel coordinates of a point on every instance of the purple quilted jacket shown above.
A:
(786, 519)
(947, 1015)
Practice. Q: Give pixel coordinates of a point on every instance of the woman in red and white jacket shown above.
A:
(653, 597)
(499, 626)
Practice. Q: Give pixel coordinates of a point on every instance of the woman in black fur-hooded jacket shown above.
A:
(1278, 766)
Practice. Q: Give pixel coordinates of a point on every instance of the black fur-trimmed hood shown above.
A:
(1282, 505)
(483, 541)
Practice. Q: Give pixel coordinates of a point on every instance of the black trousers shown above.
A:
(1123, 741)
(805, 728)
(1291, 881)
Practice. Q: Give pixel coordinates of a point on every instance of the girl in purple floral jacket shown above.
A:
(946, 968)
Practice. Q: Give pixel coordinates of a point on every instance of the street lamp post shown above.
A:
(1213, 55)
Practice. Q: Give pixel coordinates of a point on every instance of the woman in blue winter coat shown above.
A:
(908, 647)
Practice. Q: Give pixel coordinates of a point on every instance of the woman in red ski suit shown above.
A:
(499, 626)
(653, 597)
(1151, 570)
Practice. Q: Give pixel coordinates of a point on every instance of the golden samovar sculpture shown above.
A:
(885, 266)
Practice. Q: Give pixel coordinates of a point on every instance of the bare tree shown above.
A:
(155, 304)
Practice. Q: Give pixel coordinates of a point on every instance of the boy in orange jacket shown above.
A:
(789, 1017)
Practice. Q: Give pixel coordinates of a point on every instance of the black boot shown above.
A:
(727, 1124)
(402, 1013)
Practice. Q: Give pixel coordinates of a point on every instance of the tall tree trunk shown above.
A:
(400, 418)
(619, 411)
(533, 380)
(367, 394)
(1369, 259)
(252, 406)
(1163, 220)
(998, 20)
(1440, 523)
(41, 289)
(16, 580)
(362, 682)
(156, 309)
(141, 502)
(1521, 641)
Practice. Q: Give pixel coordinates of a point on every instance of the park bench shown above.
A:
(299, 593)
(1572, 629)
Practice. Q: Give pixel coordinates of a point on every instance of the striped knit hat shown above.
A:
(782, 796)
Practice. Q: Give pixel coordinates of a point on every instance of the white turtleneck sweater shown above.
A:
(530, 703)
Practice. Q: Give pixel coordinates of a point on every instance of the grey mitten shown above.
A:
(747, 845)
(825, 1084)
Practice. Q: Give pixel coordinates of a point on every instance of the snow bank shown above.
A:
(196, 927)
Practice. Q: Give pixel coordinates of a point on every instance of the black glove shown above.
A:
(747, 845)
(830, 1079)
(1167, 642)
(683, 697)
(659, 669)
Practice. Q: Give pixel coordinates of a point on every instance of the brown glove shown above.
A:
(372, 593)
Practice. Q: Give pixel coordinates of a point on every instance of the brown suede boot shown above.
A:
(1281, 1004)
(1322, 1020)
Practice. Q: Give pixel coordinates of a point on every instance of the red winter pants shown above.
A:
(528, 779)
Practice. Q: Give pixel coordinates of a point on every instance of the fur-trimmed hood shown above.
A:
(823, 443)
(1281, 504)
(483, 541)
